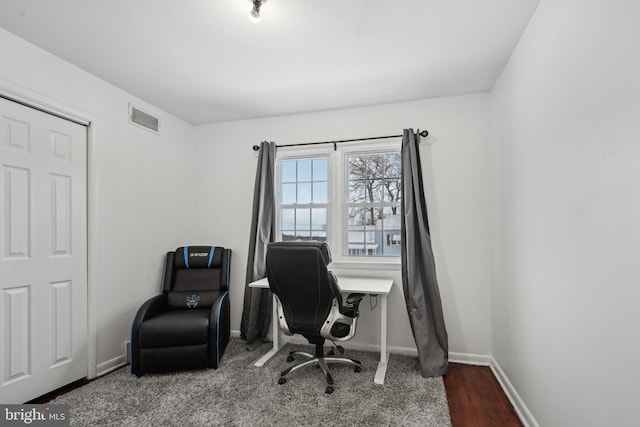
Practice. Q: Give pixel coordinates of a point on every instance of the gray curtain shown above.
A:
(419, 282)
(256, 313)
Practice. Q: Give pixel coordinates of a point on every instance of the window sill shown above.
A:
(366, 265)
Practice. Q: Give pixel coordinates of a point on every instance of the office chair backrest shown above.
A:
(195, 275)
(298, 276)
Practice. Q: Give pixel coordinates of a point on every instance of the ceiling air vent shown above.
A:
(142, 119)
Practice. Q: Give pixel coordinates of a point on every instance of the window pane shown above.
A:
(356, 216)
(373, 178)
(319, 192)
(320, 169)
(303, 219)
(319, 235)
(304, 170)
(288, 194)
(357, 167)
(303, 234)
(374, 231)
(391, 190)
(288, 219)
(303, 182)
(288, 235)
(374, 190)
(319, 219)
(360, 233)
(289, 171)
(356, 192)
(304, 193)
(391, 232)
(394, 164)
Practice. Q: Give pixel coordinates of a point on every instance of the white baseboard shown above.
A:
(470, 359)
(111, 365)
(482, 360)
(518, 404)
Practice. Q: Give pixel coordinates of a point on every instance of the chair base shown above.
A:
(322, 361)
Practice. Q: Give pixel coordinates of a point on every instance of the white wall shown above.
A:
(456, 170)
(567, 214)
(144, 187)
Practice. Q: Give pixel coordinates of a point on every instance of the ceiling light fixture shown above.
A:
(254, 14)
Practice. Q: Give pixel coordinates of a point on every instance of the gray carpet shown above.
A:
(240, 394)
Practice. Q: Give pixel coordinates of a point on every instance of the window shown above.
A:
(393, 239)
(303, 199)
(348, 198)
(372, 203)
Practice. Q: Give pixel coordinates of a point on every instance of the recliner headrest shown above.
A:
(323, 247)
(198, 257)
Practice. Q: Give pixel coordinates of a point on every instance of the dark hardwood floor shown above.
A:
(475, 397)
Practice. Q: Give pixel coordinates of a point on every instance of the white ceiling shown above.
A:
(205, 61)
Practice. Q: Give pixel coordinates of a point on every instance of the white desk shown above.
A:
(380, 287)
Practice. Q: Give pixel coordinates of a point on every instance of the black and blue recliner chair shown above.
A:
(188, 325)
(310, 303)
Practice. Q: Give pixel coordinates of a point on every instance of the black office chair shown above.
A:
(310, 303)
(188, 325)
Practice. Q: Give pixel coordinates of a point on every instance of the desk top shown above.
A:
(363, 285)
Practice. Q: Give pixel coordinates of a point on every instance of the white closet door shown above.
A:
(43, 252)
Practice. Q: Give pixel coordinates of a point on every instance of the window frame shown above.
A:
(337, 222)
(345, 205)
(299, 155)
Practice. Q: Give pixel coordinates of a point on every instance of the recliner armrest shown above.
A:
(151, 307)
(218, 327)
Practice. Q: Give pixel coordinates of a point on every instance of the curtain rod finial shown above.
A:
(424, 133)
(256, 148)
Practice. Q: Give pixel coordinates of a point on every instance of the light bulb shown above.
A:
(254, 15)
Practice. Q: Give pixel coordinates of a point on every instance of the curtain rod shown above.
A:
(423, 134)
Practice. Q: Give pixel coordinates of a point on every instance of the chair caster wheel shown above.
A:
(340, 350)
(357, 368)
(282, 380)
(329, 389)
(290, 358)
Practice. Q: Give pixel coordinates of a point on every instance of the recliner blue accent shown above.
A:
(211, 252)
(188, 325)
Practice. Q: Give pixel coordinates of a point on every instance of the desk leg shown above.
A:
(384, 356)
(275, 332)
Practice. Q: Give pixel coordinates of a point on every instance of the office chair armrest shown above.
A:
(350, 307)
(354, 299)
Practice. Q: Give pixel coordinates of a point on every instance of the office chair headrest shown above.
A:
(198, 257)
(321, 246)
